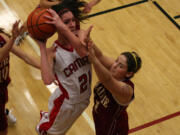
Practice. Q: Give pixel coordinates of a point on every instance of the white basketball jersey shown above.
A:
(73, 73)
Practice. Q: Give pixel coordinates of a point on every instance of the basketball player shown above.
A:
(64, 63)
(114, 91)
(6, 45)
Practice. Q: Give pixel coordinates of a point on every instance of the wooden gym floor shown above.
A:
(149, 27)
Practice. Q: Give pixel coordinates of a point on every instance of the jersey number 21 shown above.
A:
(84, 79)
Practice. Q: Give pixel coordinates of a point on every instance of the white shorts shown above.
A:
(61, 116)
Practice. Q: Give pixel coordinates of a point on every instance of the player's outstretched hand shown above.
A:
(15, 29)
(84, 35)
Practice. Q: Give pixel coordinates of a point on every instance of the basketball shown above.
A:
(36, 24)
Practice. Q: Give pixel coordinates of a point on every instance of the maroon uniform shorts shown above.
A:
(3, 101)
(103, 124)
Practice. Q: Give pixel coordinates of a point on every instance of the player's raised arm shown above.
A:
(46, 63)
(9, 41)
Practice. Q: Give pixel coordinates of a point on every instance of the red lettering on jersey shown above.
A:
(73, 67)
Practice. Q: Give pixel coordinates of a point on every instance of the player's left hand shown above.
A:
(15, 29)
(55, 19)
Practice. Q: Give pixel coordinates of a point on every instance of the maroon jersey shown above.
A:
(4, 74)
(110, 117)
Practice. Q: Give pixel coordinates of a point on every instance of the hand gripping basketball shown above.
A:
(37, 24)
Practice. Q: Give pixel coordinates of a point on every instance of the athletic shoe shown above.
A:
(11, 118)
(40, 133)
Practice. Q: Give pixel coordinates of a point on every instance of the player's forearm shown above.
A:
(33, 61)
(46, 71)
(105, 61)
(103, 74)
(97, 51)
(73, 40)
(4, 51)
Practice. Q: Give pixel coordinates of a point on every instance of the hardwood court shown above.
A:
(142, 28)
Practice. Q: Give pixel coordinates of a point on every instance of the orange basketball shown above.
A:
(36, 24)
